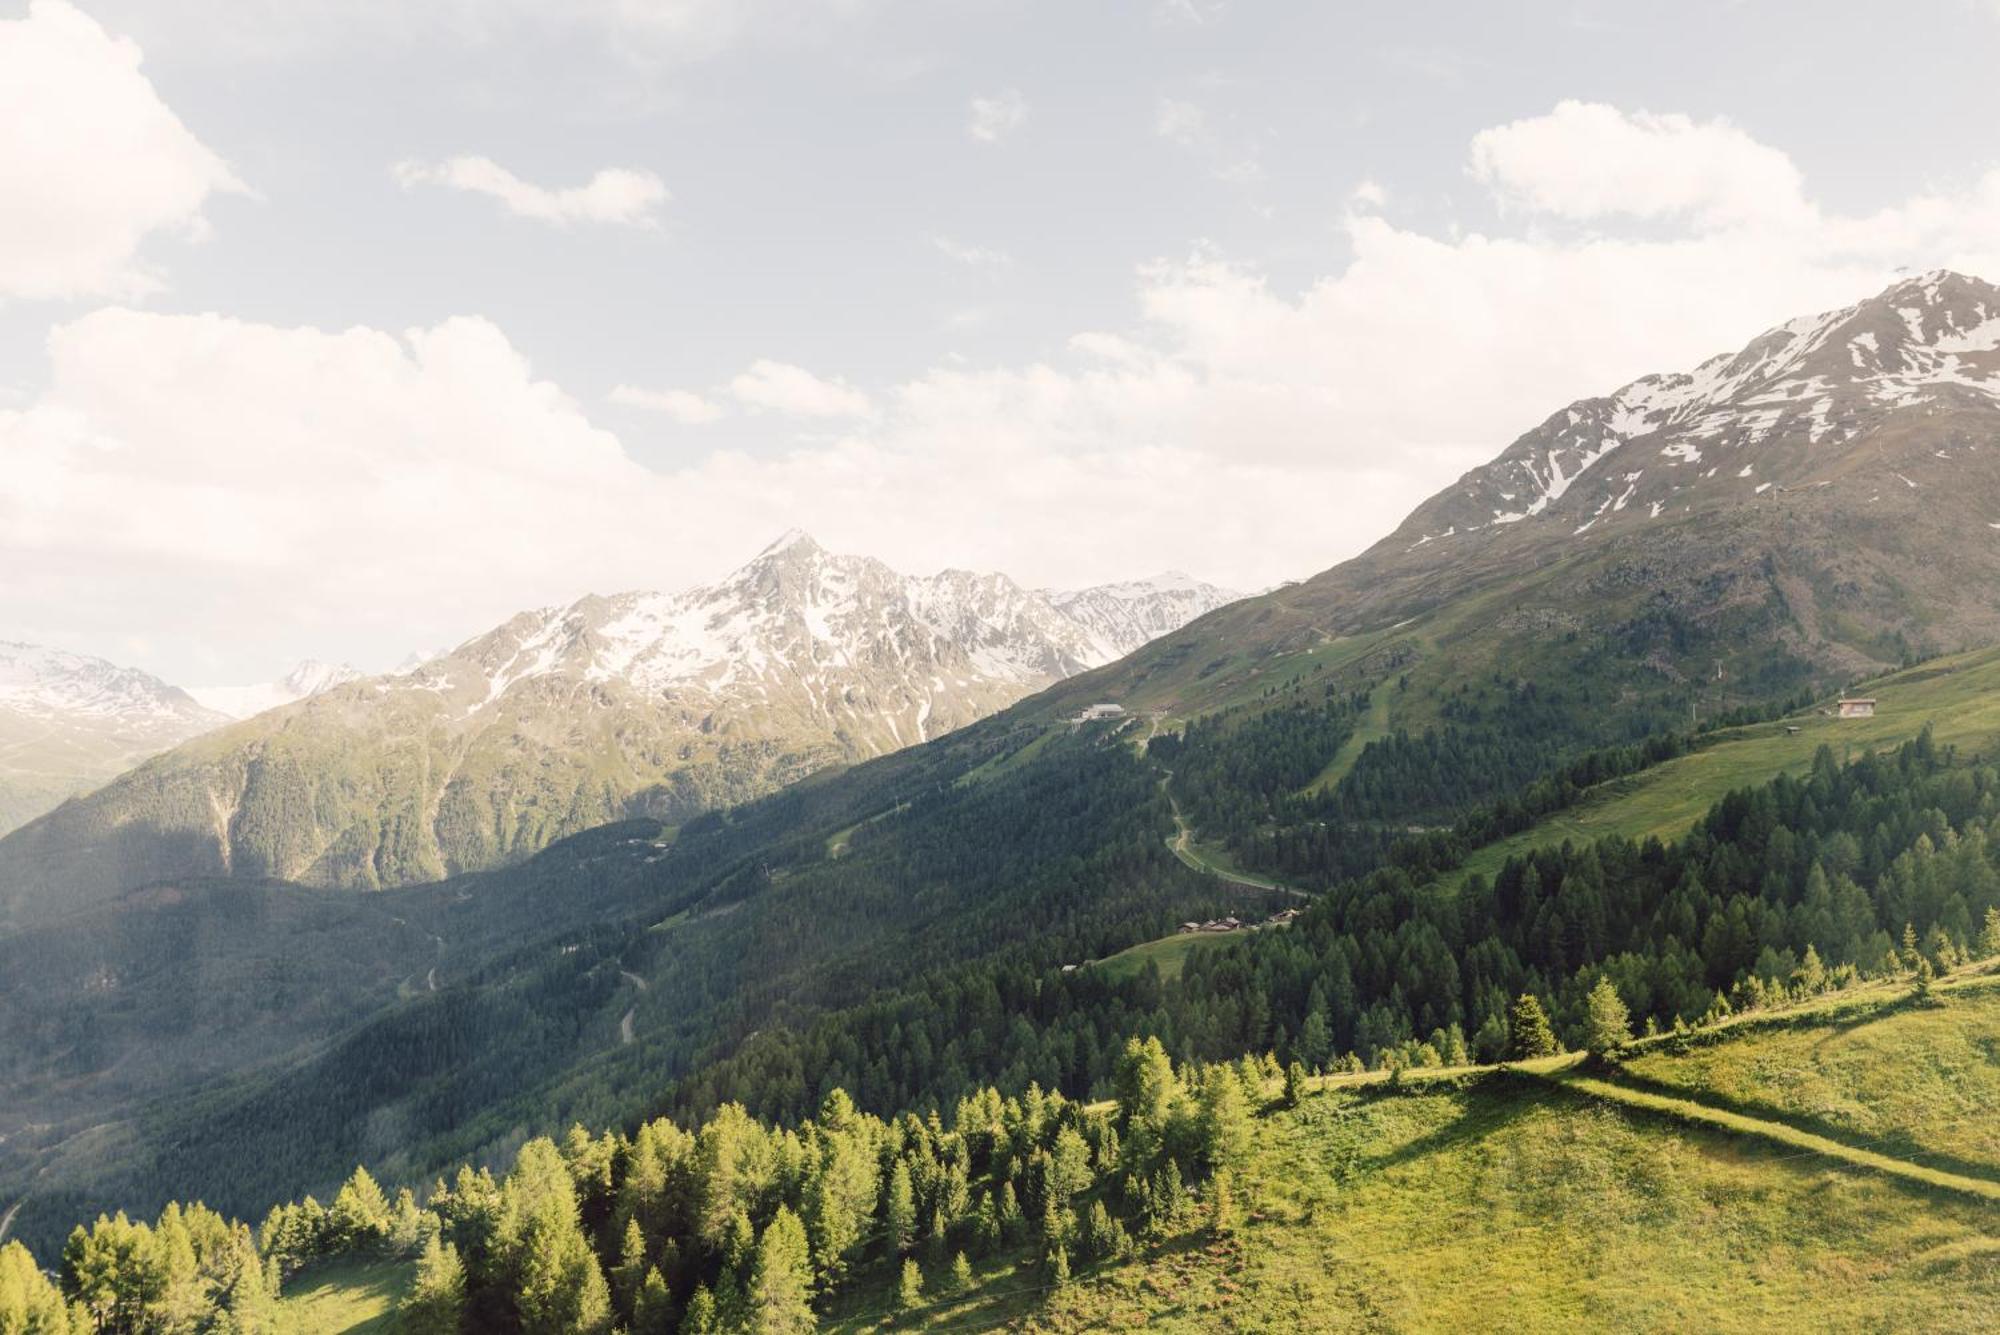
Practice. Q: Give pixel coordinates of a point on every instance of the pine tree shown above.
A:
(910, 1288)
(1222, 1203)
(1059, 1268)
(702, 1316)
(781, 1283)
(985, 1225)
(1011, 1220)
(28, 1302)
(436, 1300)
(653, 1305)
(1607, 1024)
(1528, 1032)
(1295, 1085)
(359, 1216)
(1809, 979)
(1225, 1118)
(632, 1265)
(1989, 935)
(899, 1209)
(1315, 1045)
(557, 1285)
(961, 1275)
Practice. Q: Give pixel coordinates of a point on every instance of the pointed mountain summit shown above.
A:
(1804, 404)
(566, 717)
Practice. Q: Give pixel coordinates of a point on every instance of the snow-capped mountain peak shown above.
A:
(861, 647)
(1777, 414)
(306, 678)
(55, 683)
(69, 721)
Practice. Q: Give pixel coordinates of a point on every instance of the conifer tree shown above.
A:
(899, 1209)
(1607, 1024)
(548, 1263)
(1225, 1118)
(702, 1316)
(436, 1300)
(1222, 1203)
(1011, 1221)
(1059, 1268)
(29, 1304)
(1295, 1085)
(781, 1283)
(961, 1274)
(1528, 1032)
(632, 1266)
(910, 1288)
(653, 1306)
(359, 1215)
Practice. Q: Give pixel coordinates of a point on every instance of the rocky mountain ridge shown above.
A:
(566, 717)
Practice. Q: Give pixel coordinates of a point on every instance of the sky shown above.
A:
(345, 328)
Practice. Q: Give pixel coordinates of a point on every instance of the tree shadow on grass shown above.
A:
(1490, 1103)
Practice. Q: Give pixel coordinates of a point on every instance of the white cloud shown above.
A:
(973, 257)
(622, 195)
(354, 483)
(649, 33)
(780, 387)
(992, 119)
(1181, 123)
(684, 406)
(1585, 161)
(92, 162)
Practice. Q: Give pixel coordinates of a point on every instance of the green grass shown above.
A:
(1921, 1081)
(1559, 1197)
(1503, 1206)
(346, 1296)
(1373, 727)
(1958, 696)
(837, 842)
(1169, 952)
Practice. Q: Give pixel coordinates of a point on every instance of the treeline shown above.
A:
(731, 1225)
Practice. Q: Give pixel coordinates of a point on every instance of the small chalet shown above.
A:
(1857, 707)
(1103, 711)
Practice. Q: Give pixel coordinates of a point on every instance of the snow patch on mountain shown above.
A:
(1819, 381)
(850, 641)
(304, 679)
(56, 684)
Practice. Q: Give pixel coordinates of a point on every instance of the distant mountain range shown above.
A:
(565, 717)
(68, 722)
(306, 678)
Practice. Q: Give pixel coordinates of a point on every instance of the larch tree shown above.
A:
(436, 1300)
(1607, 1023)
(1528, 1031)
(781, 1283)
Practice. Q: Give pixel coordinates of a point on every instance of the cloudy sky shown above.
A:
(345, 327)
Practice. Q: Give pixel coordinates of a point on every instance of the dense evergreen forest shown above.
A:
(1812, 878)
(733, 1225)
